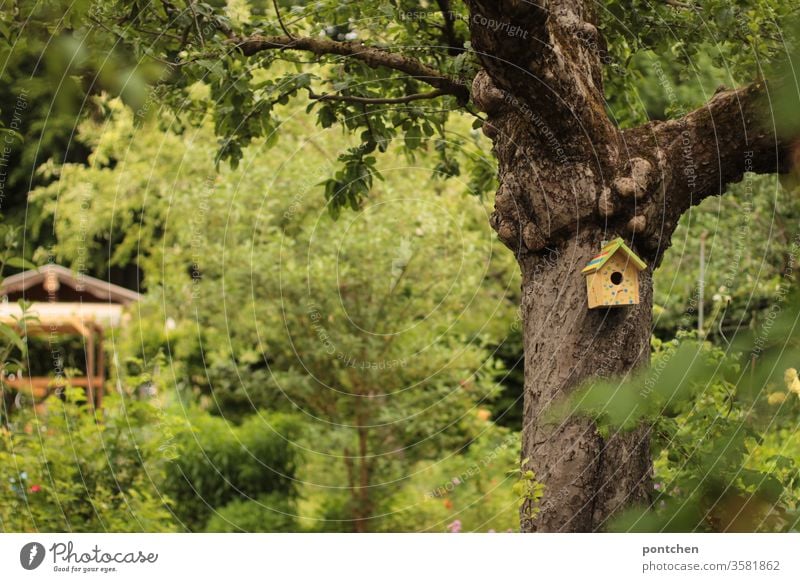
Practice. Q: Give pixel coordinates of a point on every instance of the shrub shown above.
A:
(273, 512)
(220, 463)
(473, 491)
(65, 470)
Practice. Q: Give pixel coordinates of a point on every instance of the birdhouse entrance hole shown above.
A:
(616, 278)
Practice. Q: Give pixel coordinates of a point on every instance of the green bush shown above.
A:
(220, 463)
(721, 424)
(64, 471)
(272, 512)
(472, 491)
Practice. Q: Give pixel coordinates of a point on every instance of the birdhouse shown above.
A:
(612, 277)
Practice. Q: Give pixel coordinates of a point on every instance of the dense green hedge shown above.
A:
(219, 463)
(273, 512)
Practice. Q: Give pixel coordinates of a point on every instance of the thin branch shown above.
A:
(156, 33)
(280, 20)
(185, 36)
(455, 44)
(190, 4)
(366, 118)
(474, 113)
(121, 38)
(373, 57)
(377, 100)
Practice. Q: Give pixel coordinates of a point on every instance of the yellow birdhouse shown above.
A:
(612, 277)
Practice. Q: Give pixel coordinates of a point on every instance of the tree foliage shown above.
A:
(376, 329)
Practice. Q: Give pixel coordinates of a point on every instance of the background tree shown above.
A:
(573, 169)
(51, 67)
(375, 332)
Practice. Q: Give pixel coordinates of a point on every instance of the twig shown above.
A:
(156, 33)
(377, 100)
(280, 19)
(456, 44)
(677, 4)
(190, 4)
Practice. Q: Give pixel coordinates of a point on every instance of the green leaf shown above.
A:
(20, 263)
(12, 336)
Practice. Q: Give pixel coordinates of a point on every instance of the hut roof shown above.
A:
(55, 283)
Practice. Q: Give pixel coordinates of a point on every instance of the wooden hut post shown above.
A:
(100, 373)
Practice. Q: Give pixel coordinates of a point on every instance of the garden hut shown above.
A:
(64, 304)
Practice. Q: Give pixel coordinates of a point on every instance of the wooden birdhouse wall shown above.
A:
(615, 284)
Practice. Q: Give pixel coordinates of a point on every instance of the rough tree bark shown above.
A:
(568, 180)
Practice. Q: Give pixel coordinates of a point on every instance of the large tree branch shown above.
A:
(543, 55)
(508, 37)
(374, 57)
(541, 88)
(678, 163)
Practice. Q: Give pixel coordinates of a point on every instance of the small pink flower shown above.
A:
(35, 488)
(455, 527)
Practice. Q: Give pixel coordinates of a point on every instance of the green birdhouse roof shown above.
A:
(609, 251)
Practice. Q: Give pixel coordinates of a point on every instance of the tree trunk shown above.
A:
(566, 184)
(362, 499)
(568, 181)
(587, 479)
(569, 178)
